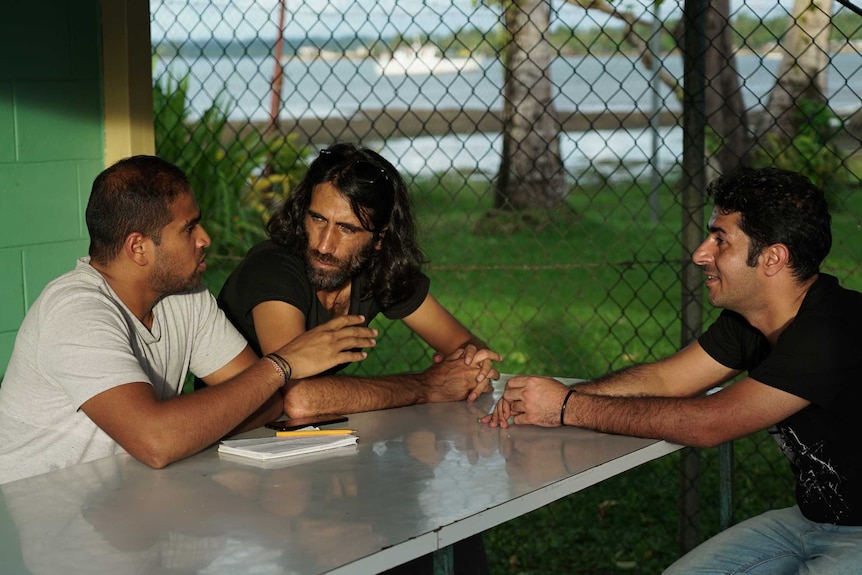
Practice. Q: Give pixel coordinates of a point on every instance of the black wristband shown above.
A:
(563, 408)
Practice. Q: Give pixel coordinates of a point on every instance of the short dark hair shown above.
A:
(133, 195)
(378, 196)
(778, 207)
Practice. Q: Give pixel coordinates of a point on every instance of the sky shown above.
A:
(202, 19)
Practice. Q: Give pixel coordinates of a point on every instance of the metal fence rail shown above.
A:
(556, 156)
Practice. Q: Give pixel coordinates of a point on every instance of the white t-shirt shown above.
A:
(79, 340)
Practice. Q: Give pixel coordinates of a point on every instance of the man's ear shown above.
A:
(775, 258)
(138, 248)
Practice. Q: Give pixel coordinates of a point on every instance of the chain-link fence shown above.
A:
(556, 154)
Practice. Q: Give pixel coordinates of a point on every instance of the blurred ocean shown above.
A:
(342, 87)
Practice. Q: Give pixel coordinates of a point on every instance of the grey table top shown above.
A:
(420, 478)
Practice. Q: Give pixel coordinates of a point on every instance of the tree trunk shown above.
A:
(726, 119)
(728, 140)
(724, 108)
(277, 72)
(802, 73)
(531, 170)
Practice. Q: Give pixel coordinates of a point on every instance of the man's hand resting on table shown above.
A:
(530, 400)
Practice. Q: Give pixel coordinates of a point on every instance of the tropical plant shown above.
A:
(238, 174)
(812, 151)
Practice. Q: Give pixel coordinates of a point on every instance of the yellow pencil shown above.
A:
(314, 433)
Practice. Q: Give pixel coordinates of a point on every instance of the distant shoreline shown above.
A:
(369, 125)
(365, 125)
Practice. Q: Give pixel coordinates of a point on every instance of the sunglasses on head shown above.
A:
(369, 173)
(365, 171)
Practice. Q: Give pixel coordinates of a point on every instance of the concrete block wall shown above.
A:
(51, 146)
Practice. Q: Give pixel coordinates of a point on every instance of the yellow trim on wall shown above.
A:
(127, 79)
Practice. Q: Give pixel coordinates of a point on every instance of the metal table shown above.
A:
(420, 479)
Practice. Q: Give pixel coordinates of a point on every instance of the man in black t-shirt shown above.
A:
(795, 332)
(344, 242)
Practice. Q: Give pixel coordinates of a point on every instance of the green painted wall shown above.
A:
(51, 146)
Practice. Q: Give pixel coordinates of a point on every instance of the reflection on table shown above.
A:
(420, 478)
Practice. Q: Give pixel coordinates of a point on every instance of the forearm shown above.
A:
(473, 340)
(632, 381)
(351, 394)
(271, 410)
(687, 421)
(186, 424)
(688, 373)
(643, 380)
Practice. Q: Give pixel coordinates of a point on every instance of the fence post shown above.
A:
(654, 45)
(725, 485)
(693, 184)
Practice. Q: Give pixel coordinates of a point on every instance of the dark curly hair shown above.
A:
(378, 196)
(778, 207)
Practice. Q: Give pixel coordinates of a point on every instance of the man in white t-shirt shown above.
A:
(100, 359)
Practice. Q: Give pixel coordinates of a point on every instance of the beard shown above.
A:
(344, 270)
(166, 279)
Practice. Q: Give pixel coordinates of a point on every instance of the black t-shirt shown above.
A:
(270, 273)
(818, 357)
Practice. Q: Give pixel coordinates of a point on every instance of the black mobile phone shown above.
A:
(299, 422)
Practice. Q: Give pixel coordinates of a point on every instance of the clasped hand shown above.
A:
(465, 373)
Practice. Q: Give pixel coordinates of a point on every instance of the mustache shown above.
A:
(325, 258)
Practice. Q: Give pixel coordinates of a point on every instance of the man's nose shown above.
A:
(326, 242)
(702, 255)
(204, 240)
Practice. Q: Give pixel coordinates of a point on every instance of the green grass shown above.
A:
(629, 523)
(590, 288)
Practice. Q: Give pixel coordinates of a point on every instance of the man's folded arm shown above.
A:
(158, 432)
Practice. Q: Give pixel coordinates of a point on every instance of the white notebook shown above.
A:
(268, 448)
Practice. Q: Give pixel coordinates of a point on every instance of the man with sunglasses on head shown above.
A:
(344, 242)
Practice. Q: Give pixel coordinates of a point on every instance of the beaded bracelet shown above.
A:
(282, 363)
(563, 408)
(278, 368)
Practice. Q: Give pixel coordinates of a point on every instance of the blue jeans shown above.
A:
(780, 542)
